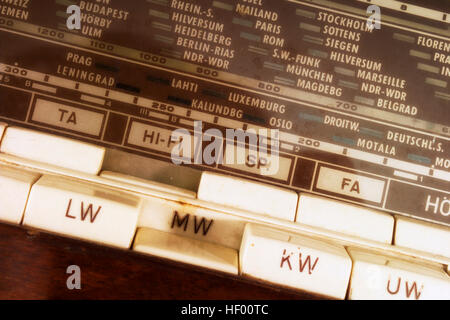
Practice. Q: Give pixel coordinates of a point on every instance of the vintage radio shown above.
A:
(245, 148)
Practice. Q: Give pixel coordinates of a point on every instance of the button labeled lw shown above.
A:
(82, 210)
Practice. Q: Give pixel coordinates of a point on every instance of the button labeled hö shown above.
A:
(343, 217)
(415, 200)
(433, 238)
(350, 184)
(295, 261)
(83, 211)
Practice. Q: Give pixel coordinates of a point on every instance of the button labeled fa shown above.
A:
(350, 185)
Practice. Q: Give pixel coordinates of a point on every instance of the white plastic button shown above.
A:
(51, 149)
(2, 129)
(382, 278)
(346, 218)
(182, 249)
(295, 261)
(424, 236)
(15, 186)
(192, 221)
(248, 195)
(82, 210)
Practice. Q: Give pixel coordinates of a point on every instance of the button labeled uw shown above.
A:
(192, 221)
(82, 210)
(350, 184)
(381, 278)
(295, 261)
(175, 247)
(248, 195)
(81, 120)
(15, 186)
(54, 150)
(346, 218)
(433, 238)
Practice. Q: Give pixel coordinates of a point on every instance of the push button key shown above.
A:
(82, 210)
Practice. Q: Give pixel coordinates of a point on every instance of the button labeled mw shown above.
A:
(191, 221)
(350, 184)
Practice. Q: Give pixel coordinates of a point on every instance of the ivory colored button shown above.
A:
(186, 250)
(82, 210)
(424, 236)
(51, 149)
(192, 221)
(15, 186)
(346, 218)
(381, 278)
(295, 261)
(2, 129)
(148, 184)
(248, 195)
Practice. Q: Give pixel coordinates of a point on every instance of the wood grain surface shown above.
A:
(33, 266)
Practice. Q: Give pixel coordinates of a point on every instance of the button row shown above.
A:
(215, 240)
(327, 269)
(229, 191)
(209, 238)
(224, 190)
